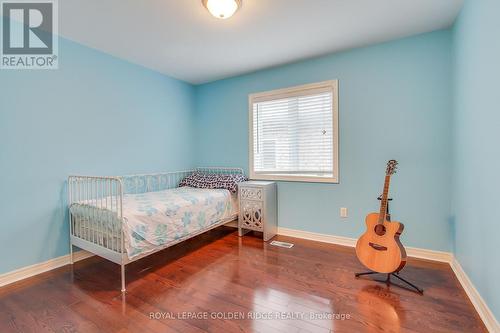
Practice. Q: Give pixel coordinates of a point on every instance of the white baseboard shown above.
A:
(351, 242)
(338, 240)
(28, 271)
(433, 255)
(482, 308)
(479, 304)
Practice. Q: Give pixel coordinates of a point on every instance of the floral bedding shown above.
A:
(154, 219)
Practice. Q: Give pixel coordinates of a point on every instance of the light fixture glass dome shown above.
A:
(222, 9)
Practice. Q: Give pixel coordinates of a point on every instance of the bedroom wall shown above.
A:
(96, 114)
(395, 102)
(476, 138)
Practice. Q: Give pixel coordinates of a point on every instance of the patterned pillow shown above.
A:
(212, 180)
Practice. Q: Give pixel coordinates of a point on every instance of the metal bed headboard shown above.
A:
(151, 182)
(220, 170)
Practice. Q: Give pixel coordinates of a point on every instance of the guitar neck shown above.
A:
(385, 197)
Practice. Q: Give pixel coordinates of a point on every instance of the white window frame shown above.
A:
(332, 86)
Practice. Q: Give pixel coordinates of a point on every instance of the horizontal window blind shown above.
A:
(294, 135)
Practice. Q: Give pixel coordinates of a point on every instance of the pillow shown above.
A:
(212, 180)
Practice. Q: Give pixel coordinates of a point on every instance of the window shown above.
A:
(294, 133)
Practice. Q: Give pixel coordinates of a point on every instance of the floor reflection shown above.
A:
(291, 310)
(381, 307)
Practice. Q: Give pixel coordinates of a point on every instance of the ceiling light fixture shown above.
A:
(222, 9)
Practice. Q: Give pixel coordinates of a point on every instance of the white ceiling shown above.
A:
(181, 39)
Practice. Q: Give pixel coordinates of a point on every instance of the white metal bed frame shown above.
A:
(100, 231)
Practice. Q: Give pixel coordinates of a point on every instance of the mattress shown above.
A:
(154, 219)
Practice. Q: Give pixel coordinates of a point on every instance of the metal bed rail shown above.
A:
(96, 210)
(142, 183)
(95, 218)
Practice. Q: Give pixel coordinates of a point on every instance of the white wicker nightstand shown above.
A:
(258, 208)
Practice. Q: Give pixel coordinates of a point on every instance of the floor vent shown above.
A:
(282, 244)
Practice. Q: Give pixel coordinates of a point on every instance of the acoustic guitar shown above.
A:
(379, 248)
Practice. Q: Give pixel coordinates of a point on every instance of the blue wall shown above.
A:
(417, 100)
(95, 115)
(395, 102)
(477, 136)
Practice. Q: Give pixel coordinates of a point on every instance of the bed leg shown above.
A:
(123, 278)
(71, 259)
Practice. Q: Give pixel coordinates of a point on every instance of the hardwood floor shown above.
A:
(221, 275)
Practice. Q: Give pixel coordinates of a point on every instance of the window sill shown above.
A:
(293, 178)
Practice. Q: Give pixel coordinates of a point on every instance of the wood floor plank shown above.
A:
(221, 282)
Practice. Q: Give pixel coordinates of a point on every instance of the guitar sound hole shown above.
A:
(380, 229)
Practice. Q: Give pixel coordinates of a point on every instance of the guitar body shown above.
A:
(379, 248)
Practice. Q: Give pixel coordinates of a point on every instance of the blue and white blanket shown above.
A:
(154, 219)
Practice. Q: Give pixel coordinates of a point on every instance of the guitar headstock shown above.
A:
(392, 165)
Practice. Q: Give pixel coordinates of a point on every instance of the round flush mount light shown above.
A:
(222, 9)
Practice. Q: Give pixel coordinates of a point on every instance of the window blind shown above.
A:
(294, 134)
